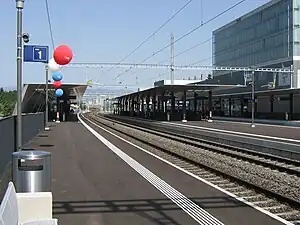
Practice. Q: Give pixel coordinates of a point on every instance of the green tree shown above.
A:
(7, 102)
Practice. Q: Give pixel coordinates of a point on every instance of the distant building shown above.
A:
(268, 36)
(176, 82)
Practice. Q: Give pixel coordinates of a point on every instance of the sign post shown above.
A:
(19, 6)
(39, 54)
(46, 98)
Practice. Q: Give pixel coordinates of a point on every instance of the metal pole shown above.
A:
(288, 30)
(172, 59)
(58, 110)
(291, 76)
(253, 99)
(19, 6)
(201, 8)
(47, 97)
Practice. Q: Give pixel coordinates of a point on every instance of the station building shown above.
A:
(267, 37)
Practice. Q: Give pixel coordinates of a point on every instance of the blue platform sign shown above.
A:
(36, 53)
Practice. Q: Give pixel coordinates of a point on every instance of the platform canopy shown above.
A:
(34, 94)
(180, 88)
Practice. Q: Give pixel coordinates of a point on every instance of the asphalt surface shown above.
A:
(92, 186)
(218, 204)
(260, 129)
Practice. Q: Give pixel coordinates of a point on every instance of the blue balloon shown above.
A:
(57, 76)
(59, 92)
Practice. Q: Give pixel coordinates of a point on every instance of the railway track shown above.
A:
(273, 146)
(247, 190)
(287, 165)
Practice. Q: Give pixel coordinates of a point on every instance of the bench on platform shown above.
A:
(26, 208)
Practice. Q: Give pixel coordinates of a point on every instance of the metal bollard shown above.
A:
(210, 117)
(31, 171)
(184, 120)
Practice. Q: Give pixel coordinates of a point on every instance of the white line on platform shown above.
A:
(258, 123)
(209, 129)
(195, 176)
(192, 209)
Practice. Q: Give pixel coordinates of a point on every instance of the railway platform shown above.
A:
(294, 123)
(260, 130)
(98, 178)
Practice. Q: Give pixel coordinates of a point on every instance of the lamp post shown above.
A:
(253, 98)
(19, 6)
(46, 97)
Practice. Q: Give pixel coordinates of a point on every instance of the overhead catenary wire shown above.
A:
(224, 51)
(185, 35)
(49, 24)
(179, 54)
(155, 32)
(234, 49)
(53, 47)
(51, 36)
(284, 31)
(191, 64)
(193, 47)
(220, 52)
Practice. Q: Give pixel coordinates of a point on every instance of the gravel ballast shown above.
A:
(272, 180)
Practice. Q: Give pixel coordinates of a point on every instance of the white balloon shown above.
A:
(53, 66)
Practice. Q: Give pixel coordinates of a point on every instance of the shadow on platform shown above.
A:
(46, 145)
(138, 205)
(154, 210)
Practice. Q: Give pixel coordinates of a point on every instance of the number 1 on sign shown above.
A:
(40, 54)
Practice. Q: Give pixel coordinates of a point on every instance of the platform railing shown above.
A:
(33, 123)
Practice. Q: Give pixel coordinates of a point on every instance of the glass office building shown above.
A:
(268, 36)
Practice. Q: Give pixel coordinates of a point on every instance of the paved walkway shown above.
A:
(92, 185)
(295, 123)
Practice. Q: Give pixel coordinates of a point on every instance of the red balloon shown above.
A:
(57, 84)
(62, 55)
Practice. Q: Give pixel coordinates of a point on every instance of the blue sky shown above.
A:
(106, 31)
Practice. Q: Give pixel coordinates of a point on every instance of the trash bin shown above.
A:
(31, 171)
